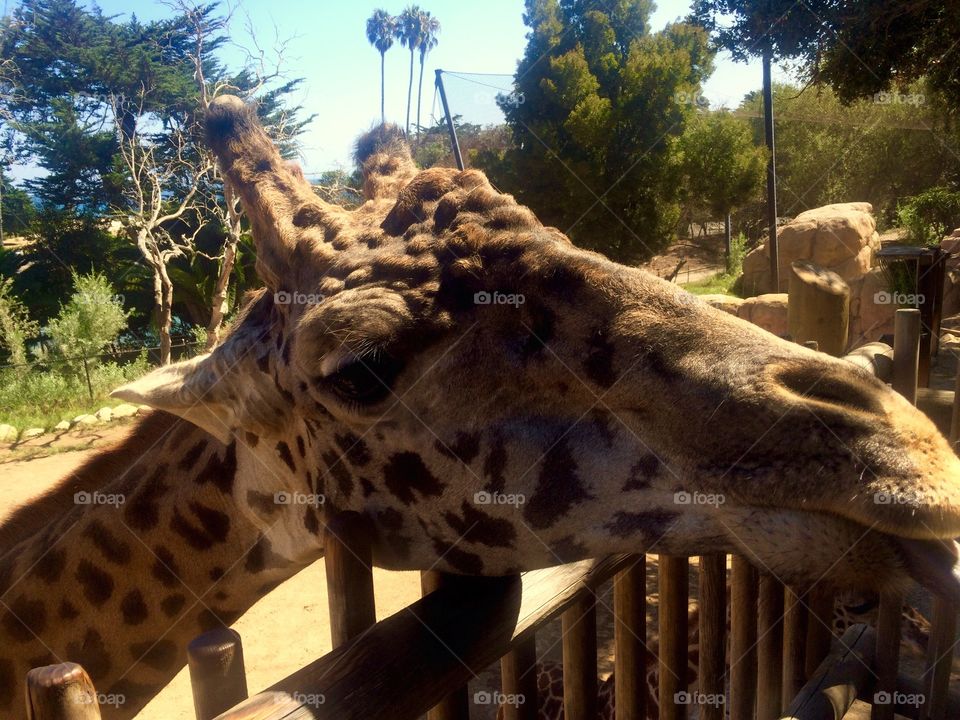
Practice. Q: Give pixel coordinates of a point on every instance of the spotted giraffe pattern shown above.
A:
(389, 367)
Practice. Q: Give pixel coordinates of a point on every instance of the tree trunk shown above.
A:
(409, 92)
(166, 316)
(383, 112)
(218, 303)
(419, 94)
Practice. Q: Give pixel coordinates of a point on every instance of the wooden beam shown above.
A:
(630, 636)
(743, 638)
(840, 678)
(674, 597)
(579, 630)
(713, 633)
(217, 676)
(416, 656)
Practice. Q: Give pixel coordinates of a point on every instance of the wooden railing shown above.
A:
(782, 662)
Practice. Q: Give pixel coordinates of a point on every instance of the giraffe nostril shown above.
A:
(823, 384)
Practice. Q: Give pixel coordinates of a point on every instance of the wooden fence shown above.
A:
(779, 661)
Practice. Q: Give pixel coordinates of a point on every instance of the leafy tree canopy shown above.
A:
(598, 105)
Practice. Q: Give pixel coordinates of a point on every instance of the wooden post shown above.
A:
(818, 307)
(820, 601)
(61, 692)
(769, 648)
(943, 633)
(456, 705)
(518, 675)
(579, 627)
(217, 674)
(840, 678)
(794, 647)
(906, 353)
(347, 557)
(743, 638)
(629, 637)
(768, 132)
(889, 617)
(713, 636)
(955, 419)
(674, 598)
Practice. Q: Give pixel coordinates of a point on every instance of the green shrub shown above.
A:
(738, 251)
(42, 398)
(16, 327)
(930, 215)
(92, 318)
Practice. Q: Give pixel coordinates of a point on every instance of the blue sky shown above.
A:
(327, 46)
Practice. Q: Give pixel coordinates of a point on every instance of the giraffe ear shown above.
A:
(186, 389)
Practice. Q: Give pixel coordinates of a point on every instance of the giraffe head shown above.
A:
(495, 399)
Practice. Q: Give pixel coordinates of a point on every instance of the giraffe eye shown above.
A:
(366, 380)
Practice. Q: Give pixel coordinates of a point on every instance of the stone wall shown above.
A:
(842, 238)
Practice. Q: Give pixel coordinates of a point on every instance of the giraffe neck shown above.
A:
(132, 556)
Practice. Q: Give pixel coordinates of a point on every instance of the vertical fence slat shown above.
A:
(713, 632)
(794, 647)
(743, 638)
(943, 633)
(579, 628)
(218, 678)
(819, 601)
(456, 705)
(518, 674)
(61, 692)
(349, 567)
(769, 648)
(888, 655)
(674, 598)
(630, 635)
(906, 353)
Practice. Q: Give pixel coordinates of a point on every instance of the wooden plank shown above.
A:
(713, 634)
(844, 674)
(348, 560)
(455, 705)
(819, 602)
(769, 648)
(61, 692)
(518, 672)
(217, 675)
(906, 353)
(889, 617)
(630, 636)
(579, 629)
(794, 647)
(743, 638)
(674, 598)
(943, 633)
(417, 655)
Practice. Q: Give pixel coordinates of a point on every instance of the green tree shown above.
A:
(88, 322)
(381, 28)
(17, 211)
(410, 35)
(723, 166)
(16, 327)
(598, 106)
(429, 29)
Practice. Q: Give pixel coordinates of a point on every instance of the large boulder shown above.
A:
(767, 311)
(872, 313)
(841, 237)
(727, 303)
(8, 433)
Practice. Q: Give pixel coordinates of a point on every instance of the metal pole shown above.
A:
(446, 112)
(771, 170)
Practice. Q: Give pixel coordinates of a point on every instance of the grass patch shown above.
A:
(719, 284)
(44, 398)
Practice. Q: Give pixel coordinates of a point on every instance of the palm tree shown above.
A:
(429, 29)
(410, 35)
(381, 28)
